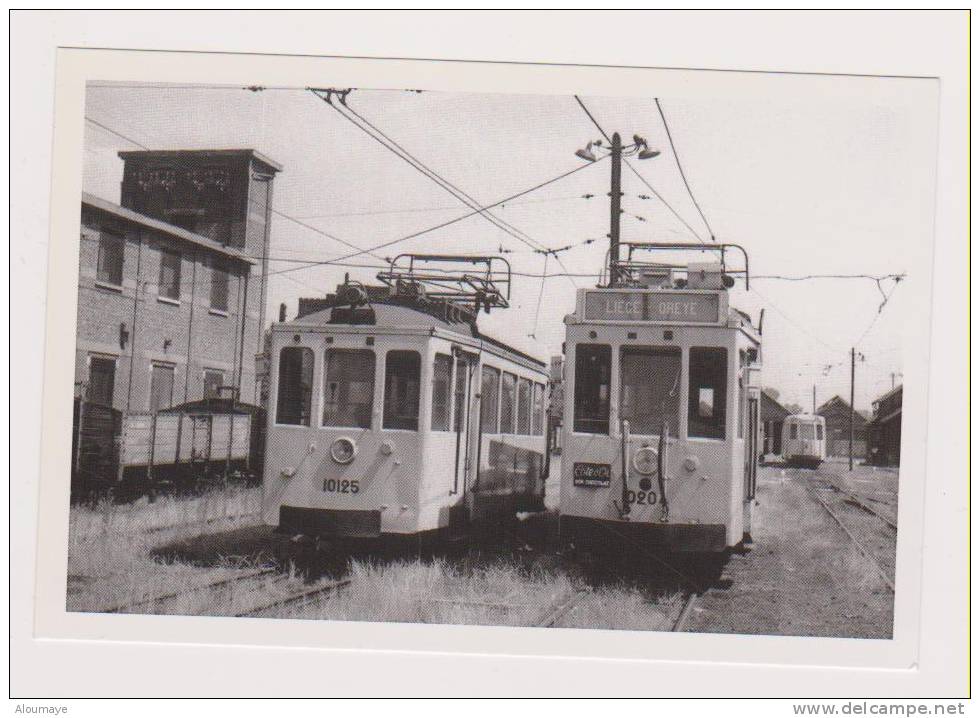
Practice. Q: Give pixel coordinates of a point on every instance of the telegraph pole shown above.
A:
(850, 442)
(615, 195)
(814, 399)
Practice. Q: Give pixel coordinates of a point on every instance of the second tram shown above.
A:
(804, 440)
(661, 417)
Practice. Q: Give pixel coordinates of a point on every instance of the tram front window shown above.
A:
(348, 387)
(592, 371)
(294, 402)
(402, 376)
(650, 389)
(807, 431)
(706, 392)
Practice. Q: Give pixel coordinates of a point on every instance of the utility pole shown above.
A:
(850, 442)
(615, 195)
(814, 399)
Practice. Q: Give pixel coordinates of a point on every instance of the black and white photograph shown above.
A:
(360, 360)
(393, 354)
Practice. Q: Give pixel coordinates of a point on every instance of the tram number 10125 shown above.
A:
(341, 486)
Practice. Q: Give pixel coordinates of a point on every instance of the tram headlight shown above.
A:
(343, 450)
(645, 460)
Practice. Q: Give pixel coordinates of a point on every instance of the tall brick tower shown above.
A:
(224, 195)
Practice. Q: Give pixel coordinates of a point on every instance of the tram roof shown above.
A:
(394, 315)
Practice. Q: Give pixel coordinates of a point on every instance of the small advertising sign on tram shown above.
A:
(591, 474)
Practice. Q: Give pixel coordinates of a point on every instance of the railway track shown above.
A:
(294, 601)
(853, 498)
(882, 573)
(687, 606)
(158, 601)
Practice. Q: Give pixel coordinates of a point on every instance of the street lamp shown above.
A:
(617, 151)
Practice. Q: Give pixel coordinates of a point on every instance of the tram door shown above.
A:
(463, 418)
(752, 447)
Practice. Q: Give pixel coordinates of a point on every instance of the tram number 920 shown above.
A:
(646, 498)
(341, 486)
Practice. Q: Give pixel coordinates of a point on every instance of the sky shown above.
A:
(806, 186)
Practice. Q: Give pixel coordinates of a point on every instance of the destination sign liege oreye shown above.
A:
(652, 307)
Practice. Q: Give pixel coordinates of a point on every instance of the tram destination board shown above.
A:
(642, 306)
(591, 474)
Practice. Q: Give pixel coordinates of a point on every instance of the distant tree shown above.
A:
(774, 393)
(794, 408)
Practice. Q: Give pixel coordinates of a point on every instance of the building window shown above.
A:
(294, 403)
(403, 370)
(348, 387)
(169, 285)
(650, 392)
(214, 379)
(707, 392)
(219, 287)
(441, 373)
(489, 399)
(592, 370)
(524, 407)
(161, 386)
(101, 380)
(537, 418)
(508, 404)
(110, 262)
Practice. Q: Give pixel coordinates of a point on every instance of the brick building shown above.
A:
(172, 282)
(837, 414)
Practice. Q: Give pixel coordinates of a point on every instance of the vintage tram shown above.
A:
(804, 440)
(661, 406)
(391, 414)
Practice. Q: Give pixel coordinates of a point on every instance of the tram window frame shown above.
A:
(589, 391)
(461, 378)
(820, 432)
(490, 399)
(537, 409)
(508, 403)
(794, 431)
(707, 372)
(407, 421)
(299, 402)
(355, 359)
(441, 410)
(652, 426)
(525, 394)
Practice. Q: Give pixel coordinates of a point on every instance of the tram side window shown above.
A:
(459, 405)
(490, 399)
(294, 403)
(508, 404)
(524, 407)
(537, 418)
(793, 431)
(819, 432)
(348, 387)
(592, 370)
(706, 392)
(650, 391)
(403, 371)
(441, 373)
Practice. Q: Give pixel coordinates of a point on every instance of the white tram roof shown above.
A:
(395, 318)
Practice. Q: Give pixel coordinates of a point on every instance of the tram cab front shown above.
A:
(661, 416)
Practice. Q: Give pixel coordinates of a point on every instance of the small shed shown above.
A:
(771, 414)
(837, 414)
(885, 429)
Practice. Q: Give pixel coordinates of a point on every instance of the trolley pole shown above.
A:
(615, 195)
(850, 441)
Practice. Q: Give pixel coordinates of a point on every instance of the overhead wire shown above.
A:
(680, 169)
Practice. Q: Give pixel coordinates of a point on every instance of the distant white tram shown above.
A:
(661, 419)
(391, 414)
(804, 440)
